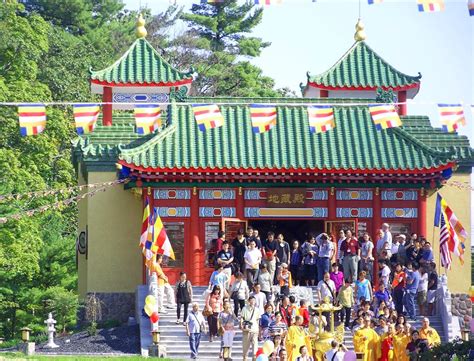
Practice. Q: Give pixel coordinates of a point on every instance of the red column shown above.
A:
(376, 224)
(196, 262)
(239, 202)
(332, 204)
(107, 108)
(402, 98)
(422, 212)
(324, 93)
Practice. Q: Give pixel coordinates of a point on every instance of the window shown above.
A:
(175, 232)
(210, 236)
(400, 228)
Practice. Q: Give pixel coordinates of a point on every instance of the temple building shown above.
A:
(287, 180)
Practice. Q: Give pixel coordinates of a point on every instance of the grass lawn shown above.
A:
(20, 356)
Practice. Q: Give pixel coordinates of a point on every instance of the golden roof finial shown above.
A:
(360, 32)
(141, 31)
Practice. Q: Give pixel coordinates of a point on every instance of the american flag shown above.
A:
(444, 238)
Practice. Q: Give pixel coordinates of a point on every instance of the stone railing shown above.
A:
(444, 309)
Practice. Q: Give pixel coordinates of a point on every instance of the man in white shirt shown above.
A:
(326, 288)
(252, 259)
(337, 352)
(249, 326)
(195, 326)
(384, 270)
(386, 241)
(342, 238)
(260, 298)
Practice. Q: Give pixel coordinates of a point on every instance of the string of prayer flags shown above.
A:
(372, 2)
(32, 119)
(384, 116)
(430, 6)
(207, 116)
(147, 118)
(321, 118)
(263, 116)
(211, 1)
(85, 117)
(451, 116)
(268, 2)
(470, 7)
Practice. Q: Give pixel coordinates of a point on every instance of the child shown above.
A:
(337, 277)
(303, 312)
(265, 320)
(382, 295)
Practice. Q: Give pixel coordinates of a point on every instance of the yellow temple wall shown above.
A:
(113, 217)
(459, 277)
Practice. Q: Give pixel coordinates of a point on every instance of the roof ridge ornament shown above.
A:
(141, 31)
(360, 32)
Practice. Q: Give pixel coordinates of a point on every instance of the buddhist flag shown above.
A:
(430, 6)
(451, 116)
(263, 116)
(268, 2)
(161, 242)
(321, 118)
(372, 2)
(470, 6)
(32, 118)
(85, 117)
(207, 116)
(145, 223)
(147, 118)
(457, 233)
(212, 1)
(384, 116)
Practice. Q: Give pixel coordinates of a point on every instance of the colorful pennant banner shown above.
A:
(451, 116)
(147, 118)
(85, 117)
(263, 116)
(268, 2)
(321, 118)
(207, 116)
(372, 2)
(430, 6)
(32, 118)
(384, 116)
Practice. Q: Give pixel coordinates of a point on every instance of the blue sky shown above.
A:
(308, 36)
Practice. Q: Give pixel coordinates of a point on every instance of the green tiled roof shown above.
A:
(361, 66)
(420, 128)
(353, 144)
(141, 64)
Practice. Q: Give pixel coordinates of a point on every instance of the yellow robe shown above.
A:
(369, 347)
(296, 338)
(432, 337)
(400, 342)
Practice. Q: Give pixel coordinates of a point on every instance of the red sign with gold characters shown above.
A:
(286, 197)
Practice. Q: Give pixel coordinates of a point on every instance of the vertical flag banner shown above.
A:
(372, 2)
(207, 116)
(457, 233)
(161, 242)
(321, 118)
(444, 236)
(32, 118)
(430, 6)
(147, 118)
(145, 223)
(384, 116)
(263, 116)
(85, 117)
(451, 116)
(470, 7)
(268, 2)
(147, 249)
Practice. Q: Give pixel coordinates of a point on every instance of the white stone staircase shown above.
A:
(174, 337)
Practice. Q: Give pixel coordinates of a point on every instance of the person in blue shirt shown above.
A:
(426, 254)
(265, 321)
(413, 280)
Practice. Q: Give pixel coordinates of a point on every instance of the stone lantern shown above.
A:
(51, 329)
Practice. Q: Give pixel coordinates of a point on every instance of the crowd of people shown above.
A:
(376, 284)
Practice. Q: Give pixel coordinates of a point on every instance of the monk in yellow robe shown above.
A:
(296, 338)
(429, 333)
(400, 342)
(367, 342)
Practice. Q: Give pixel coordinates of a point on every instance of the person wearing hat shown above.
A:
(402, 249)
(429, 333)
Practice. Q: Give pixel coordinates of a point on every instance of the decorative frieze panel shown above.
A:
(399, 195)
(182, 212)
(255, 194)
(353, 195)
(399, 212)
(354, 212)
(256, 212)
(217, 194)
(140, 98)
(208, 212)
(317, 195)
(172, 194)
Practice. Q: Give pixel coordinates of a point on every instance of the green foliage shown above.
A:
(445, 352)
(385, 96)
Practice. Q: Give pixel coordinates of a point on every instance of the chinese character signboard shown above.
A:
(286, 197)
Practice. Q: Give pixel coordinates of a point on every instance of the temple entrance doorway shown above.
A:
(291, 229)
